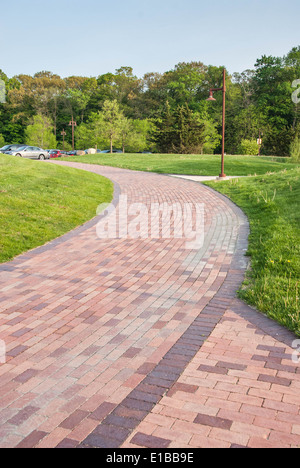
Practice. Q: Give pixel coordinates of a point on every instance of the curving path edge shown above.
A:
(141, 342)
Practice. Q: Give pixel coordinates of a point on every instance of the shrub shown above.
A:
(295, 150)
(249, 147)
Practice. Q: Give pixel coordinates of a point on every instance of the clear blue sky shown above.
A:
(92, 37)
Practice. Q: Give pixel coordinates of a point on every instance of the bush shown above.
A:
(249, 147)
(295, 150)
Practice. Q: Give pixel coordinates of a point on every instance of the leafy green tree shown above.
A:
(12, 131)
(32, 95)
(126, 131)
(104, 90)
(149, 103)
(184, 83)
(84, 136)
(134, 137)
(40, 133)
(212, 138)
(257, 100)
(92, 133)
(272, 88)
(76, 102)
(112, 121)
(141, 136)
(292, 63)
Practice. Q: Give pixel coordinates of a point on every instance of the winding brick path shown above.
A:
(141, 342)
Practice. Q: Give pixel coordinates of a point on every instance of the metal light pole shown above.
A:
(211, 98)
(73, 124)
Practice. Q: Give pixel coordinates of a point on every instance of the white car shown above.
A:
(31, 152)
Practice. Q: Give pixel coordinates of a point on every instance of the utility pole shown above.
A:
(73, 124)
(63, 133)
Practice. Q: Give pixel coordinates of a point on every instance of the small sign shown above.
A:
(259, 141)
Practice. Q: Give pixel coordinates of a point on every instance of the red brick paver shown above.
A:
(141, 342)
(241, 389)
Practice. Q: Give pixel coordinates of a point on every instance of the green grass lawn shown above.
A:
(271, 203)
(41, 201)
(207, 165)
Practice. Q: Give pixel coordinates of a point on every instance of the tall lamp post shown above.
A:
(211, 98)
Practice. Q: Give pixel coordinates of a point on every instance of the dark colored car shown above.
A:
(114, 151)
(71, 153)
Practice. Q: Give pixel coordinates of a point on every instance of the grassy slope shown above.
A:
(187, 164)
(271, 203)
(38, 203)
(41, 201)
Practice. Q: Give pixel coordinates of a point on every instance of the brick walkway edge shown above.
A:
(138, 343)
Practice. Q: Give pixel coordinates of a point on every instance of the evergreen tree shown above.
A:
(190, 132)
(179, 131)
(164, 134)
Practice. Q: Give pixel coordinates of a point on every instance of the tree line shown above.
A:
(161, 112)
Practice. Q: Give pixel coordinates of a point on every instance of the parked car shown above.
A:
(71, 153)
(8, 148)
(55, 153)
(31, 152)
(114, 151)
(4, 148)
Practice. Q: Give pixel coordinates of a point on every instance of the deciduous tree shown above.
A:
(40, 133)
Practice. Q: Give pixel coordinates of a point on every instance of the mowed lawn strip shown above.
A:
(188, 164)
(271, 203)
(40, 201)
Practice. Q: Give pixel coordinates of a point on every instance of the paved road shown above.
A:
(141, 342)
